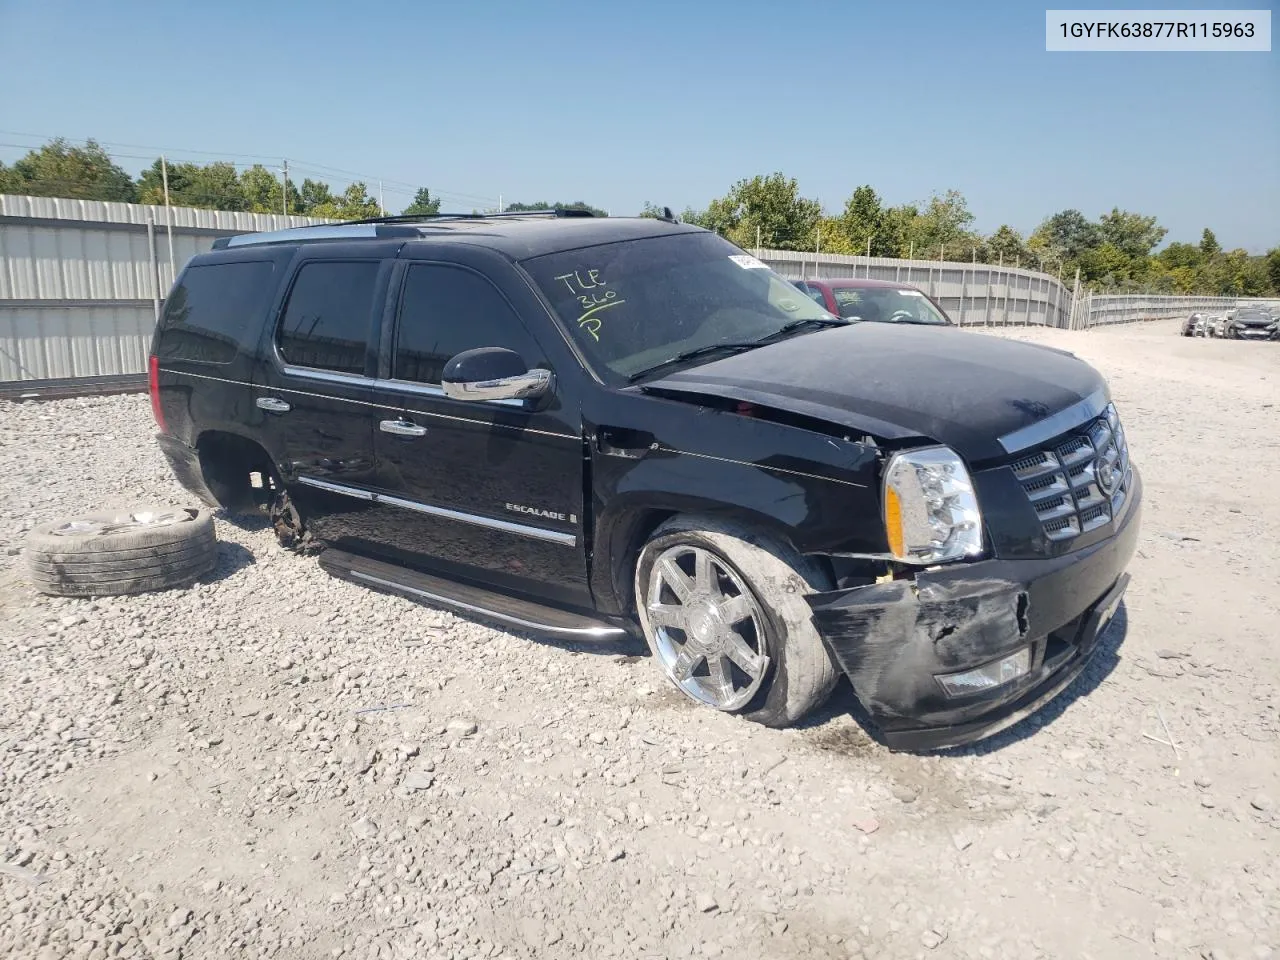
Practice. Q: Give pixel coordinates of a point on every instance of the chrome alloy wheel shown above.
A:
(707, 629)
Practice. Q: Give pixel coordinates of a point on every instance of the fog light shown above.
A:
(994, 674)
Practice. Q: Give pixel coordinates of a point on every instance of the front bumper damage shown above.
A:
(894, 639)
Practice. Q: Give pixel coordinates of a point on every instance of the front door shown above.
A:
(492, 490)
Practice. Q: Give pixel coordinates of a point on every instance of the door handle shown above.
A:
(273, 405)
(402, 428)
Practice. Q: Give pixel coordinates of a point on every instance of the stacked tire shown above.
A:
(121, 552)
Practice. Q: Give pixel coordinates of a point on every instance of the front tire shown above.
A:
(723, 611)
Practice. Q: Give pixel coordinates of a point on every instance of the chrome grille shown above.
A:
(1063, 480)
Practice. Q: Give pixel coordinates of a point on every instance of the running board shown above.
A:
(465, 598)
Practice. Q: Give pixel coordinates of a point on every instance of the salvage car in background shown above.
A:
(881, 301)
(1252, 323)
(1193, 326)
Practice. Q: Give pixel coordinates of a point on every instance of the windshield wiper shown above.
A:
(800, 324)
(727, 346)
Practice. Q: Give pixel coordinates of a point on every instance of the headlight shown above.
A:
(931, 512)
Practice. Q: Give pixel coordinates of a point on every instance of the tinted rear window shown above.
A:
(212, 309)
(330, 311)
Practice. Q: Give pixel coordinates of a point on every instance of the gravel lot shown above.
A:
(275, 763)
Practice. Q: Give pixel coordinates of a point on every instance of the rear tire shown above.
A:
(758, 577)
(121, 552)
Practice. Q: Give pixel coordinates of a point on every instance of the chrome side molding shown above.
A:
(506, 526)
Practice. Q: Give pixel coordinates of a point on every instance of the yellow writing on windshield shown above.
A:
(589, 291)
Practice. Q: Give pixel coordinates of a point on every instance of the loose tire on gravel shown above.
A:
(122, 551)
(743, 602)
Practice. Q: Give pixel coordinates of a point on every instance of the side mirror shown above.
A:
(492, 373)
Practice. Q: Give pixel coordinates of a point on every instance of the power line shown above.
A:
(322, 170)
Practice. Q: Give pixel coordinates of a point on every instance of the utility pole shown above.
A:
(499, 203)
(381, 205)
(168, 214)
(284, 192)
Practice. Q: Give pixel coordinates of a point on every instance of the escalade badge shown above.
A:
(536, 512)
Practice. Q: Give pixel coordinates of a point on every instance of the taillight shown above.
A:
(153, 387)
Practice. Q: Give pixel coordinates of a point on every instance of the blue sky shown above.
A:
(663, 101)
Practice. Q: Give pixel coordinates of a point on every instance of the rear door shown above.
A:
(316, 393)
(491, 491)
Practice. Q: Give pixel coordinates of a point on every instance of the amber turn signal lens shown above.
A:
(893, 522)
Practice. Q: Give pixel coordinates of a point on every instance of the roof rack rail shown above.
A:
(426, 217)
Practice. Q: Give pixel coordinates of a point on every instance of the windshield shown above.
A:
(634, 304)
(887, 305)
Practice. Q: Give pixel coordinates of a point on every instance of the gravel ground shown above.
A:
(275, 763)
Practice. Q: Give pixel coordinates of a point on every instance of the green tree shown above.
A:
(1239, 275)
(897, 228)
(1107, 265)
(313, 194)
(261, 190)
(1132, 233)
(1006, 245)
(423, 204)
(353, 204)
(696, 217)
(943, 223)
(1273, 270)
(560, 205)
(861, 220)
(656, 212)
(1066, 235)
(1177, 255)
(217, 186)
(770, 204)
(60, 170)
(865, 218)
(181, 178)
(1209, 245)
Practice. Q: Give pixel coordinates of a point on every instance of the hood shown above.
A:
(901, 382)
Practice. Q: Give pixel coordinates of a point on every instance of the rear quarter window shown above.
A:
(214, 309)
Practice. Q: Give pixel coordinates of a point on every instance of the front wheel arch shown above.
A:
(802, 672)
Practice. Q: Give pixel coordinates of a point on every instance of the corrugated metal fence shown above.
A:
(81, 283)
(81, 280)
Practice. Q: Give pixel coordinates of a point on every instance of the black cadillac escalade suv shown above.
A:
(598, 425)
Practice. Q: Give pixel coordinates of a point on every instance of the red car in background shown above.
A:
(880, 301)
